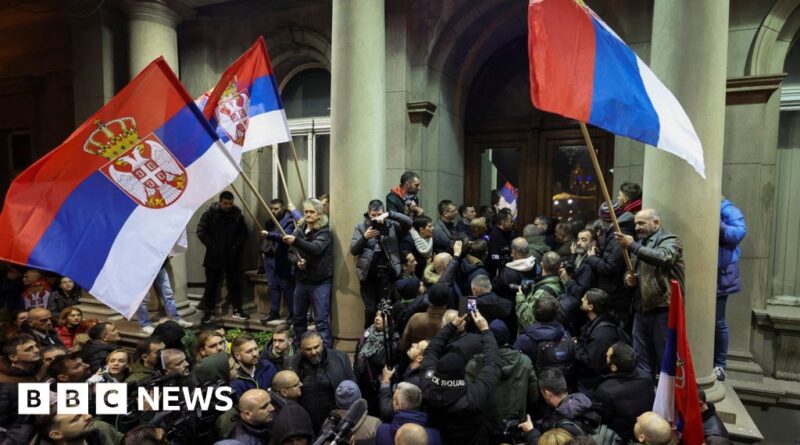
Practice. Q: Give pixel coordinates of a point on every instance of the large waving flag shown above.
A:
(508, 198)
(581, 69)
(107, 205)
(676, 397)
(245, 106)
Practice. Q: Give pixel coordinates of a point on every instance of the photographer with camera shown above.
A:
(376, 246)
(456, 407)
(522, 267)
(403, 198)
(548, 284)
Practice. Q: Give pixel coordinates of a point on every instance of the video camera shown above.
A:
(512, 434)
(525, 287)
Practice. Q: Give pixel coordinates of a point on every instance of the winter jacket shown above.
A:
(422, 326)
(492, 307)
(622, 398)
(443, 236)
(498, 240)
(60, 300)
(364, 249)
(458, 412)
(466, 344)
(316, 247)
(609, 269)
(387, 431)
(103, 434)
(574, 409)
(272, 247)
(320, 382)
(291, 421)
(732, 231)
(525, 303)
(537, 246)
(94, 354)
(44, 340)
(262, 379)
(528, 340)
(469, 268)
(395, 202)
(68, 335)
(10, 378)
(139, 372)
(514, 392)
(250, 434)
(594, 340)
(223, 234)
(366, 431)
(515, 272)
(278, 360)
(659, 258)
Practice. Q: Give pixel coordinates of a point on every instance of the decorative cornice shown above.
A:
(421, 112)
(752, 89)
(790, 98)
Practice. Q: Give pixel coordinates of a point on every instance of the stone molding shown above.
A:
(790, 98)
(421, 112)
(752, 89)
(782, 317)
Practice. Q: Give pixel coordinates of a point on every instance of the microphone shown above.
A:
(344, 430)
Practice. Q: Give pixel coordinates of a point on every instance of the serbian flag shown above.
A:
(105, 207)
(582, 70)
(245, 106)
(676, 396)
(508, 198)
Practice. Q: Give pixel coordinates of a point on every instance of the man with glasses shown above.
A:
(40, 327)
(444, 230)
(287, 385)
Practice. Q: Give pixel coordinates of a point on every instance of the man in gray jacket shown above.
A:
(376, 246)
(659, 259)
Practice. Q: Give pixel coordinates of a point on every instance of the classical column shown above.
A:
(152, 34)
(358, 142)
(689, 54)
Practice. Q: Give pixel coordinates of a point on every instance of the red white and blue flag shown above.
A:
(245, 106)
(676, 397)
(107, 205)
(508, 198)
(581, 69)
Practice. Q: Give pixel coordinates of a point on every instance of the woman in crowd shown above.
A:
(420, 242)
(370, 359)
(116, 369)
(71, 323)
(67, 294)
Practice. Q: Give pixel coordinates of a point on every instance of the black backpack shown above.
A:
(602, 435)
(559, 354)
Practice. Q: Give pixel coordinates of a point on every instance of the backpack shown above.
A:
(558, 354)
(621, 334)
(567, 307)
(602, 435)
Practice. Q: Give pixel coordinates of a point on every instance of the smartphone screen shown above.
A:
(472, 304)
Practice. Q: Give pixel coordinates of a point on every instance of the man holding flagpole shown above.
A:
(659, 258)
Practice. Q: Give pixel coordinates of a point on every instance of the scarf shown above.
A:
(373, 344)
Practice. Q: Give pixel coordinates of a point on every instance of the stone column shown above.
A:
(358, 140)
(690, 47)
(152, 34)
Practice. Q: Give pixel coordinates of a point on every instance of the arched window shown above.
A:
(307, 101)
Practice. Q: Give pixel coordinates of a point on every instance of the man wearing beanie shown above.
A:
(517, 388)
(456, 406)
(292, 426)
(347, 393)
(425, 325)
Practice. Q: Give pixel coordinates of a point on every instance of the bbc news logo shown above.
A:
(112, 398)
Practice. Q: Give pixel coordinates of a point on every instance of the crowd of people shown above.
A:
(478, 329)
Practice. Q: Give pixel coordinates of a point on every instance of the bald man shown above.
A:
(652, 429)
(288, 385)
(659, 259)
(255, 414)
(411, 434)
(40, 326)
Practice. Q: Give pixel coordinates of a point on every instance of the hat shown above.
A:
(605, 215)
(500, 332)
(439, 295)
(347, 393)
(450, 367)
(292, 421)
(407, 288)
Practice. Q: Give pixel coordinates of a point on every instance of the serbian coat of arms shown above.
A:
(232, 111)
(143, 168)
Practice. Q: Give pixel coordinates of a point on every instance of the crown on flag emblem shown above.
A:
(232, 111)
(143, 168)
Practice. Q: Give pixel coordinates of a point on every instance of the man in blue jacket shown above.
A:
(732, 230)
(253, 372)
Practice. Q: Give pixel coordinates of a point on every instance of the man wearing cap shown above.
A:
(347, 393)
(425, 325)
(456, 407)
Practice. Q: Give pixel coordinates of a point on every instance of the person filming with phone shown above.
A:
(376, 246)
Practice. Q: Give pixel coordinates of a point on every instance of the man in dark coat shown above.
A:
(595, 338)
(544, 329)
(573, 412)
(500, 241)
(21, 362)
(521, 267)
(403, 198)
(222, 231)
(376, 246)
(320, 370)
(624, 393)
(406, 402)
(490, 304)
(292, 422)
(278, 270)
(104, 339)
(39, 325)
(732, 230)
(255, 418)
(444, 229)
(455, 406)
(577, 280)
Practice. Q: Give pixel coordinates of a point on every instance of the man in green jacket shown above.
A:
(548, 284)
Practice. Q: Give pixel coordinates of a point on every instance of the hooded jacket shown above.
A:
(659, 258)
(316, 247)
(364, 249)
(514, 272)
(262, 379)
(590, 351)
(458, 411)
(528, 340)
(278, 360)
(732, 231)
(623, 397)
(395, 202)
(251, 435)
(292, 421)
(387, 431)
(574, 409)
(223, 234)
(515, 391)
(525, 303)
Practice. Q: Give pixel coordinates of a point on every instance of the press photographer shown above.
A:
(376, 246)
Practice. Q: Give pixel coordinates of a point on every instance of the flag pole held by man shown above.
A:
(107, 205)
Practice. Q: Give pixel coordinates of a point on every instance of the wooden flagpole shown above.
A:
(246, 207)
(280, 173)
(601, 179)
(297, 167)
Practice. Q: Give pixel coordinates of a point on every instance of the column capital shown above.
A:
(157, 11)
